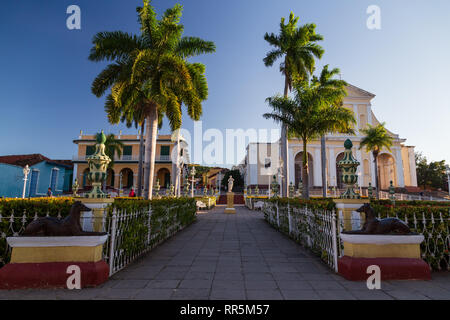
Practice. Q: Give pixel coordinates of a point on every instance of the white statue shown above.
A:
(230, 183)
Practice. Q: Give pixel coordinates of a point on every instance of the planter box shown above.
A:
(42, 262)
(398, 257)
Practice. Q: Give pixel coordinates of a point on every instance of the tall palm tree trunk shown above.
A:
(284, 148)
(305, 175)
(150, 151)
(141, 151)
(377, 180)
(324, 165)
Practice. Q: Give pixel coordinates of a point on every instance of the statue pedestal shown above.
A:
(42, 262)
(346, 209)
(398, 257)
(93, 220)
(230, 203)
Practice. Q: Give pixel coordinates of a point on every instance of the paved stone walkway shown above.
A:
(236, 257)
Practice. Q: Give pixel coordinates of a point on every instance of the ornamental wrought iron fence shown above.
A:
(131, 233)
(134, 233)
(435, 229)
(12, 225)
(316, 230)
(319, 230)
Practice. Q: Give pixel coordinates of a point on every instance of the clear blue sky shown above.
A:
(45, 76)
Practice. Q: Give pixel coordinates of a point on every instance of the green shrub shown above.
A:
(25, 210)
(424, 217)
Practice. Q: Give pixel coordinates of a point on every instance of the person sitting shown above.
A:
(132, 193)
(49, 192)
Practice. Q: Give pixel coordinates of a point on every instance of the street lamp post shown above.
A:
(447, 167)
(359, 183)
(192, 181)
(26, 171)
(120, 184)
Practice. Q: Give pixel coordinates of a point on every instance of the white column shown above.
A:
(291, 166)
(355, 110)
(412, 167)
(75, 172)
(369, 113)
(360, 167)
(372, 170)
(253, 163)
(332, 166)
(399, 163)
(317, 168)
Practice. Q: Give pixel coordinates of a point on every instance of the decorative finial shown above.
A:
(349, 165)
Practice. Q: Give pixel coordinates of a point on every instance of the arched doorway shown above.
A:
(298, 161)
(339, 182)
(386, 170)
(127, 178)
(86, 182)
(110, 178)
(164, 177)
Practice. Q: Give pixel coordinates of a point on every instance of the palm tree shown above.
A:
(297, 46)
(113, 147)
(309, 116)
(376, 138)
(332, 92)
(150, 71)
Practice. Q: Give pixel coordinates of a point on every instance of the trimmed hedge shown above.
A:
(169, 215)
(25, 210)
(424, 217)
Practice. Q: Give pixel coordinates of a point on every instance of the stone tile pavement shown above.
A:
(223, 256)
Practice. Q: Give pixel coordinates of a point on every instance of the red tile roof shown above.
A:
(30, 159)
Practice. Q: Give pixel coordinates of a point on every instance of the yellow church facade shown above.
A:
(396, 165)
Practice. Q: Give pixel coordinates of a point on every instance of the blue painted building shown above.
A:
(44, 173)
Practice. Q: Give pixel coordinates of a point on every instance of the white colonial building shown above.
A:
(397, 165)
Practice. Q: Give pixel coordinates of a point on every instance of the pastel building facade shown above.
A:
(397, 165)
(44, 173)
(124, 172)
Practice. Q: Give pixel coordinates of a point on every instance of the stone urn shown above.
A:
(98, 164)
(349, 177)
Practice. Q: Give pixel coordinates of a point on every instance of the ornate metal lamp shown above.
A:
(98, 164)
(291, 190)
(370, 191)
(274, 186)
(186, 188)
(75, 187)
(349, 176)
(157, 188)
(391, 191)
(26, 171)
(192, 180)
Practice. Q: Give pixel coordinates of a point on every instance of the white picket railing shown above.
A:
(132, 234)
(319, 231)
(314, 229)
